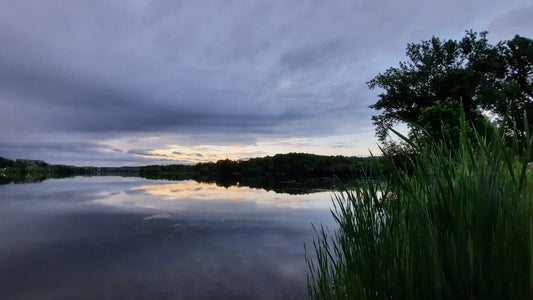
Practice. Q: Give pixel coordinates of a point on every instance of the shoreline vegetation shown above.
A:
(33, 171)
(459, 226)
(293, 173)
(454, 220)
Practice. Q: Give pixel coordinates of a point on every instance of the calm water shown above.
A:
(132, 238)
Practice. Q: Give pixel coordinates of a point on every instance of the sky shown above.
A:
(123, 83)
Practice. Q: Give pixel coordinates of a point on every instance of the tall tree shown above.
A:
(471, 71)
(517, 87)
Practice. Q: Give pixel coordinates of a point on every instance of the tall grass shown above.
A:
(460, 226)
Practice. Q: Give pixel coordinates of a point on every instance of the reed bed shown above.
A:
(458, 226)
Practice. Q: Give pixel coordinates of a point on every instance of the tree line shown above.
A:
(280, 166)
(271, 171)
(25, 170)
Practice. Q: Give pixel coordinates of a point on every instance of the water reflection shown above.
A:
(192, 190)
(116, 237)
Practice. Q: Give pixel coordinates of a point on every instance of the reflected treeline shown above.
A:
(293, 173)
(293, 187)
(31, 171)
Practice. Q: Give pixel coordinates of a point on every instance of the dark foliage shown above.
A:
(278, 172)
(25, 170)
(440, 74)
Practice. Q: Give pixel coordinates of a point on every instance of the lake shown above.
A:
(116, 237)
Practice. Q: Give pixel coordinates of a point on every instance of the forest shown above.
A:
(26, 171)
(281, 172)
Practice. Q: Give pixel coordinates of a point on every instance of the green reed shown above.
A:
(459, 226)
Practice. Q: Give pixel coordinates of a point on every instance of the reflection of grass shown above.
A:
(459, 227)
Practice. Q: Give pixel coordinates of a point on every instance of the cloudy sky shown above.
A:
(111, 83)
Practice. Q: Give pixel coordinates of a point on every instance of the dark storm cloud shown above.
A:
(78, 147)
(143, 153)
(79, 104)
(68, 152)
(217, 71)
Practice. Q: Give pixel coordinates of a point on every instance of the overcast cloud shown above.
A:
(137, 82)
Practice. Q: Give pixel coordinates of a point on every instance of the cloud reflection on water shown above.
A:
(181, 194)
(124, 238)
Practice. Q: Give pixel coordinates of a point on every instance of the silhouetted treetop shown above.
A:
(471, 71)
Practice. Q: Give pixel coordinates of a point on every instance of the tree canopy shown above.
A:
(440, 74)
